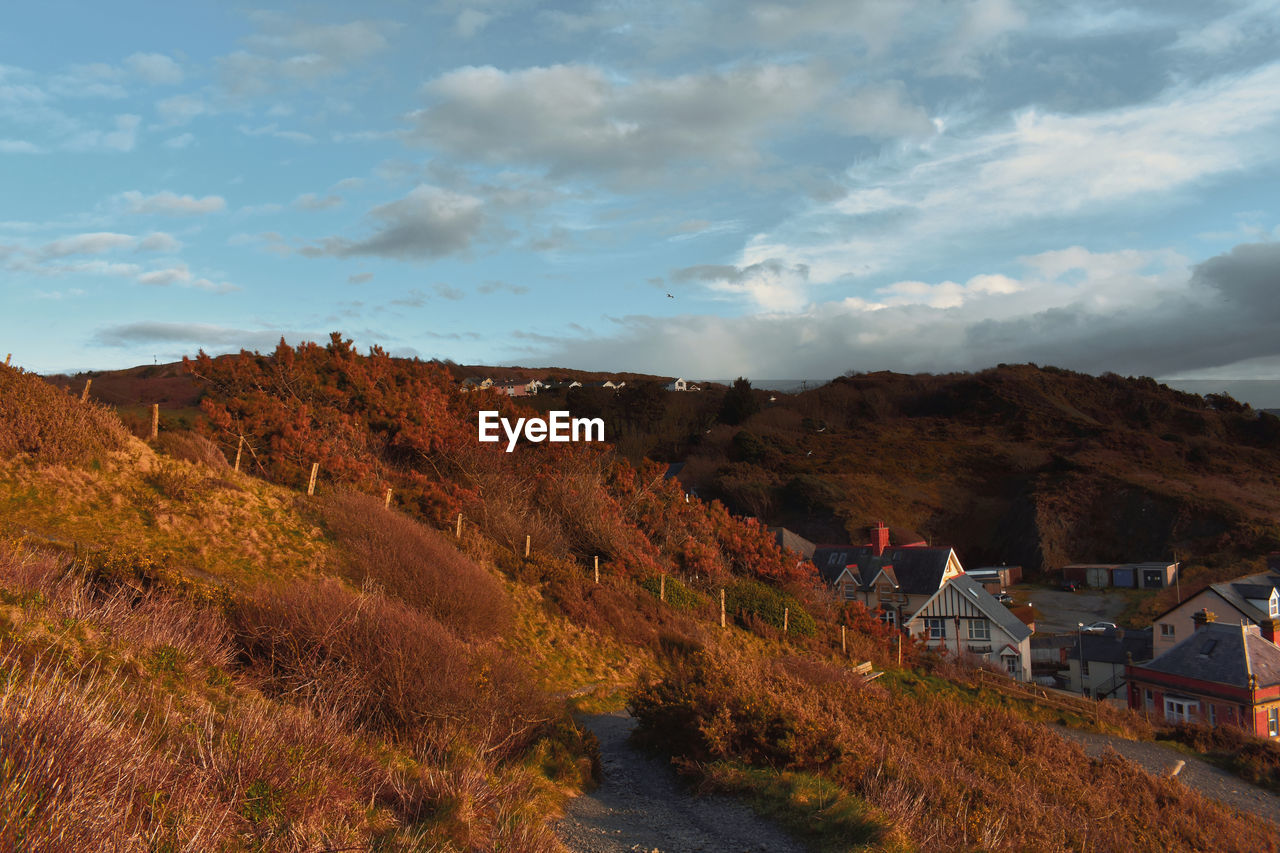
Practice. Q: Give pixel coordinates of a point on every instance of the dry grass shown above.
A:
(421, 567)
(943, 773)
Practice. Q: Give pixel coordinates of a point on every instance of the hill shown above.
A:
(202, 658)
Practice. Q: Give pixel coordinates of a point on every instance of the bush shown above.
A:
(421, 567)
(52, 425)
(679, 596)
(748, 598)
(192, 447)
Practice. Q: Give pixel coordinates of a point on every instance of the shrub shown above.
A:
(748, 598)
(52, 425)
(678, 595)
(191, 447)
(421, 567)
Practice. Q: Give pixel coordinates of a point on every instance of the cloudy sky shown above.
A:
(771, 189)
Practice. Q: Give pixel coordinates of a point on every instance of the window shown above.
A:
(1151, 702)
(1084, 667)
(936, 627)
(979, 629)
(850, 589)
(891, 617)
(1179, 710)
(1166, 630)
(1213, 715)
(1011, 666)
(1273, 722)
(1273, 605)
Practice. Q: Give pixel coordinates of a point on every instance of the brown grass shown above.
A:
(421, 567)
(52, 425)
(191, 447)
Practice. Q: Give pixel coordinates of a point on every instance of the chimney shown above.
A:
(879, 538)
(1202, 618)
(1268, 627)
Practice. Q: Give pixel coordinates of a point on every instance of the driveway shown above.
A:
(1061, 611)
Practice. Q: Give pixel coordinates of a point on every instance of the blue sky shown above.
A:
(820, 185)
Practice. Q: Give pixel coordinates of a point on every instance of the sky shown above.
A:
(769, 189)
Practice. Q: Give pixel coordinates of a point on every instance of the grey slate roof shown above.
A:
(1114, 646)
(1216, 653)
(792, 541)
(916, 570)
(1236, 592)
(976, 596)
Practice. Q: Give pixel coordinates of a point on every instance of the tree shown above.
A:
(739, 403)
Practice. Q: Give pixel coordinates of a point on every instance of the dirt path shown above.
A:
(640, 806)
(1199, 775)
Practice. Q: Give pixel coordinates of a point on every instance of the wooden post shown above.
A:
(1177, 768)
(239, 450)
(844, 648)
(786, 619)
(84, 395)
(662, 587)
(155, 421)
(721, 607)
(597, 568)
(900, 651)
(457, 532)
(6, 359)
(387, 503)
(311, 486)
(527, 543)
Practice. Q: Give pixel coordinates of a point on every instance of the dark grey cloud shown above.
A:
(429, 222)
(202, 335)
(1224, 312)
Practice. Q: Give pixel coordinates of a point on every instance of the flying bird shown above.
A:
(669, 296)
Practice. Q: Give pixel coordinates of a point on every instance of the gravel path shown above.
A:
(640, 806)
(1210, 781)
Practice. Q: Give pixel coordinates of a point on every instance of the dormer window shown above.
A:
(1273, 605)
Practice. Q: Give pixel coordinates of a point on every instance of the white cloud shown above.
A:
(311, 201)
(428, 222)
(171, 204)
(273, 130)
(159, 241)
(122, 139)
(471, 21)
(182, 140)
(285, 51)
(178, 274)
(86, 244)
(19, 146)
(155, 68)
(181, 109)
(881, 110)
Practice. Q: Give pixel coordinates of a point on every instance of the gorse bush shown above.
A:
(748, 599)
(52, 425)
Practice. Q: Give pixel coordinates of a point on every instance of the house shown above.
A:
(476, 383)
(1155, 575)
(963, 618)
(677, 385)
(1096, 662)
(789, 540)
(1224, 673)
(612, 385)
(1252, 599)
(897, 581)
(1004, 575)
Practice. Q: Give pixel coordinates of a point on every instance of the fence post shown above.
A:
(662, 587)
(844, 648)
(239, 449)
(527, 543)
(721, 607)
(387, 503)
(457, 531)
(311, 486)
(155, 420)
(597, 568)
(84, 395)
(900, 651)
(786, 619)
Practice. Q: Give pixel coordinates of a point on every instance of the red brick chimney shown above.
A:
(1202, 618)
(879, 538)
(1268, 628)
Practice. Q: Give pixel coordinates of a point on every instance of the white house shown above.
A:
(678, 385)
(965, 619)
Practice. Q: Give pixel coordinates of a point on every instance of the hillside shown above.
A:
(269, 669)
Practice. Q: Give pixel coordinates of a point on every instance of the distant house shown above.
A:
(965, 619)
(476, 383)
(896, 581)
(1252, 599)
(677, 385)
(1149, 575)
(1096, 662)
(1222, 674)
(612, 385)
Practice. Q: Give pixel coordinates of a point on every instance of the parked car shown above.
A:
(1070, 586)
(1004, 598)
(1099, 627)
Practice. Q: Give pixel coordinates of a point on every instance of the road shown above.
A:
(1061, 611)
(1158, 759)
(641, 806)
